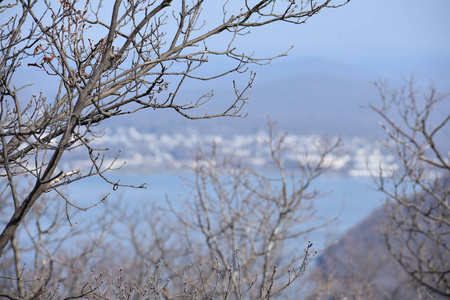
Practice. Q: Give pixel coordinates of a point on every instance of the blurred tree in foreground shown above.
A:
(402, 252)
(418, 191)
(239, 235)
(99, 61)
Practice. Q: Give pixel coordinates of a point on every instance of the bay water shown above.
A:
(349, 199)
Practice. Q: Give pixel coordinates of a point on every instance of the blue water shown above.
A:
(350, 199)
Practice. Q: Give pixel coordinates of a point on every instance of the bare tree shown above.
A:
(401, 250)
(239, 235)
(47, 253)
(93, 70)
(238, 211)
(244, 234)
(417, 230)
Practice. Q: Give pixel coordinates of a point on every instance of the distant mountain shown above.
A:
(306, 95)
(359, 265)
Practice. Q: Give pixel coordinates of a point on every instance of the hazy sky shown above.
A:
(389, 36)
(368, 27)
(338, 54)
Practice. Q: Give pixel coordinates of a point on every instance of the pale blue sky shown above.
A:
(367, 27)
(337, 56)
(384, 38)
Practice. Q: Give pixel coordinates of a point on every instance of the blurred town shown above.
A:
(144, 152)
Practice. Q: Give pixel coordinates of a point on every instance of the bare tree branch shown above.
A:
(418, 192)
(141, 57)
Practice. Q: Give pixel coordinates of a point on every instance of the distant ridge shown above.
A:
(360, 263)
